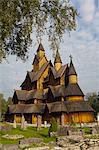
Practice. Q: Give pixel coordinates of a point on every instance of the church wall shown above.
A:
(58, 66)
(34, 118)
(17, 118)
(40, 81)
(35, 67)
(80, 117)
(40, 53)
(73, 79)
(75, 98)
(42, 62)
(62, 80)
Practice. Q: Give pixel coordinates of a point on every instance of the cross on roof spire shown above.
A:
(70, 57)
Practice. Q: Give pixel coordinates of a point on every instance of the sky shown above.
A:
(82, 44)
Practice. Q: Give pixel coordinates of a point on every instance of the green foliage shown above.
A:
(93, 100)
(19, 18)
(87, 130)
(29, 132)
(54, 125)
(4, 105)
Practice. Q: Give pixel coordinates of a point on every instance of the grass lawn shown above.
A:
(29, 132)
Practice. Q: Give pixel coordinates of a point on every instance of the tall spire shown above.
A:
(72, 70)
(40, 47)
(57, 58)
(36, 60)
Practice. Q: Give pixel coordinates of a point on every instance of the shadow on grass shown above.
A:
(44, 135)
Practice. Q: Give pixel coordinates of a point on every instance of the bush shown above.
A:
(54, 126)
(87, 130)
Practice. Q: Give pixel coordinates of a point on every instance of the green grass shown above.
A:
(29, 132)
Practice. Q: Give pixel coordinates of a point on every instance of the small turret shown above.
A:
(72, 72)
(57, 62)
(40, 51)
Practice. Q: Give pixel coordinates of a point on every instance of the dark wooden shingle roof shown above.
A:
(72, 70)
(69, 107)
(34, 76)
(58, 73)
(55, 107)
(27, 95)
(21, 94)
(40, 47)
(73, 90)
(26, 108)
(39, 73)
(70, 90)
(57, 58)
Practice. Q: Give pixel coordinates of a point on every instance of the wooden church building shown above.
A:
(50, 91)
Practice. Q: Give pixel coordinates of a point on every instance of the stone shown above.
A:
(14, 124)
(25, 125)
(63, 131)
(94, 131)
(10, 147)
(45, 124)
(38, 148)
(31, 140)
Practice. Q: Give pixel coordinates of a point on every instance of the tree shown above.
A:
(9, 101)
(93, 100)
(53, 126)
(19, 18)
(3, 105)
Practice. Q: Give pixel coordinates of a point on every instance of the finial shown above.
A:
(70, 57)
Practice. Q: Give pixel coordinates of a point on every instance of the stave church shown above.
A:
(50, 90)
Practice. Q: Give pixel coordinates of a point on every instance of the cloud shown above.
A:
(87, 10)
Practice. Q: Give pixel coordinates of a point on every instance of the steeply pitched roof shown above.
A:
(36, 60)
(70, 90)
(58, 90)
(27, 95)
(69, 107)
(58, 73)
(39, 73)
(66, 106)
(57, 58)
(35, 94)
(72, 70)
(21, 94)
(57, 107)
(61, 71)
(73, 90)
(78, 106)
(34, 76)
(40, 47)
(26, 108)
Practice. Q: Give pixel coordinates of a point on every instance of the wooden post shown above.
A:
(39, 121)
(15, 117)
(62, 119)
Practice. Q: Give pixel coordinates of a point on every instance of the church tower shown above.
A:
(72, 73)
(57, 62)
(40, 51)
(40, 58)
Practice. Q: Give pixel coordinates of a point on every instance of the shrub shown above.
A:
(87, 130)
(54, 126)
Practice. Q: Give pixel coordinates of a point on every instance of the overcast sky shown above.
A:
(83, 45)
